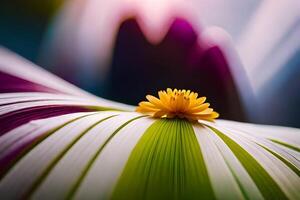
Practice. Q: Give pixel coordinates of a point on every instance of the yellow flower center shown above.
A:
(177, 103)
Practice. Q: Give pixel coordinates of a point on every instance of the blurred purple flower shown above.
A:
(103, 44)
(146, 55)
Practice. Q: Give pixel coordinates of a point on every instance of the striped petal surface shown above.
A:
(59, 142)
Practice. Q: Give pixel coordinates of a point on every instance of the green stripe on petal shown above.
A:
(54, 162)
(103, 174)
(218, 169)
(267, 186)
(71, 170)
(285, 161)
(246, 184)
(24, 175)
(286, 145)
(166, 163)
(44, 128)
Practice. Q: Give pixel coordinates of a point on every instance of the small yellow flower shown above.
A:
(177, 103)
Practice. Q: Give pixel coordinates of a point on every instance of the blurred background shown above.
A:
(243, 55)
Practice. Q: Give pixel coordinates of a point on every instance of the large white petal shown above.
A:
(24, 175)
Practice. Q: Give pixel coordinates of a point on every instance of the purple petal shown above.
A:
(10, 83)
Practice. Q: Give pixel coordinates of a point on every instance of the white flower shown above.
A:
(48, 151)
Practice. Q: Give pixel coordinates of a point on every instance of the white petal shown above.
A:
(107, 168)
(24, 174)
(284, 134)
(32, 130)
(287, 179)
(238, 170)
(218, 170)
(292, 156)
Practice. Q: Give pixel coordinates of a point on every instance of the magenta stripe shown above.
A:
(14, 119)
(12, 156)
(10, 83)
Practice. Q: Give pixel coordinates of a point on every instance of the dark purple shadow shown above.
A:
(139, 68)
